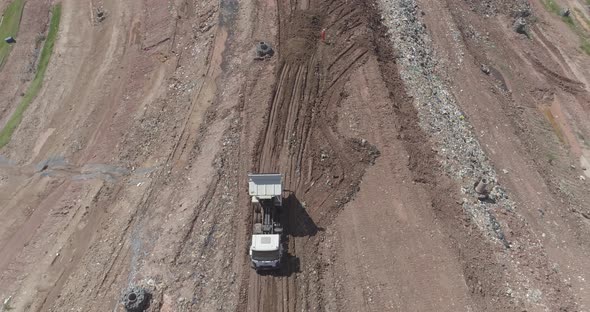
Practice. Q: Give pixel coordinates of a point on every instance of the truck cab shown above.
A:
(266, 250)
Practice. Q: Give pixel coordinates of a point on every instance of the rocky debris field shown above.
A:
(435, 156)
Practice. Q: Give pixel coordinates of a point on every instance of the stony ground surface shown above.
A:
(129, 169)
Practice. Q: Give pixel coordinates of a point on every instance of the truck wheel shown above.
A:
(135, 299)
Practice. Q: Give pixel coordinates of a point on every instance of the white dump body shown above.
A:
(265, 186)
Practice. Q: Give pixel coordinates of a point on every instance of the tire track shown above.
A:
(192, 132)
(322, 168)
(572, 86)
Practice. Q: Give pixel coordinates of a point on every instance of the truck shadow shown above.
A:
(298, 224)
(290, 265)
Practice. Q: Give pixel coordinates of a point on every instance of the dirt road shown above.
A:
(130, 166)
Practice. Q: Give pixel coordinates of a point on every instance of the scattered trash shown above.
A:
(6, 304)
(263, 50)
(10, 40)
(485, 69)
(565, 12)
(520, 26)
(100, 15)
(482, 189)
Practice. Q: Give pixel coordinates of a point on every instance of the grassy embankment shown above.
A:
(572, 21)
(9, 26)
(37, 82)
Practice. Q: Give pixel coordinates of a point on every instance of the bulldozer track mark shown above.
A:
(333, 9)
(341, 55)
(189, 129)
(211, 189)
(355, 24)
(272, 115)
(299, 123)
(342, 17)
(185, 135)
(549, 45)
(348, 67)
(150, 47)
(121, 245)
(336, 5)
(566, 84)
(293, 108)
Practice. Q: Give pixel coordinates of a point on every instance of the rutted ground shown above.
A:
(130, 166)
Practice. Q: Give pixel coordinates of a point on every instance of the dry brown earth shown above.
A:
(130, 166)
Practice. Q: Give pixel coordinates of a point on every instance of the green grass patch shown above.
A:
(581, 15)
(551, 158)
(585, 46)
(572, 22)
(37, 82)
(569, 20)
(552, 6)
(9, 27)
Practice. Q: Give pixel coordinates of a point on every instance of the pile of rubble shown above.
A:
(459, 152)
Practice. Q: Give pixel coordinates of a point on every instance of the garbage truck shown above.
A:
(266, 250)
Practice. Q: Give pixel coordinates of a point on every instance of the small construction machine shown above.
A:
(266, 249)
